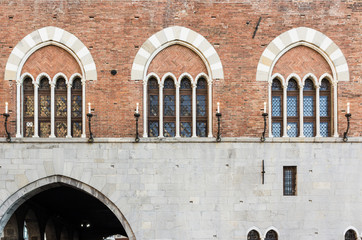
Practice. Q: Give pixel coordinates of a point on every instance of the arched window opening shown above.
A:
(350, 235)
(153, 107)
(253, 235)
(277, 109)
(185, 108)
(292, 108)
(324, 108)
(271, 235)
(201, 108)
(76, 108)
(44, 108)
(309, 120)
(28, 107)
(169, 106)
(61, 108)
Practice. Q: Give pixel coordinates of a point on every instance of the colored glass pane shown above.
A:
(325, 85)
(153, 111)
(169, 129)
(201, 129)
(44, 106)
(292, 85)
(169, 105)
(76, 129)
(153, 129)
(29, 106)
(169, 84)
(185, 84)
(308, 85)
(201, 84)
(44, 130)
(77, 84)
(29, 129)
(276, 86)
(61, 106)
(152, 84)
(185, 105)
(76, 106)
(201, 105)
(185, 129)
(61, 129)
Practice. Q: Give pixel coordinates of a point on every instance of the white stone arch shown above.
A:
(41, 75)
(169, 75)
(328, 77)
(279, 77)
(176, 35)
(74, 76)
(305, 37)
(59, 75)
(152, 74)
(255, 229)
(187, 75)
(204, 75)
(10, 205)
(351, 228)
(24, 75)
(310, 76)
(50, 36)
(272, 228)
(293, 76)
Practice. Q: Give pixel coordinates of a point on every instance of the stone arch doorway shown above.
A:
(69, 206)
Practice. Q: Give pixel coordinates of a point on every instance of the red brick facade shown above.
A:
(113, 31)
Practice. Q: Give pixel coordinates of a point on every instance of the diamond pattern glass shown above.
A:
(201, 84)
(276, 86)
(152, 84)
(308, 106)
(77, 129)
(185, 129)
(292, 129)
(44, 130)
(29, 129)
(271, 235)
(308, 85)
(185, 105)
(61, 106)
(253, 235)
(292, 106)
(153, 129)
(201, 129)
(169, 129)
(323, 106)
(153, 105)
(61, 129)
(169, 105)
(325, 85)
(169, 84)
(185, 84)
(276, 106)
(44, 106)
(308, 129)
(76, 106)
(201, 105)
(28, 106)
(324, 129)
(292, 85)
(276, 129)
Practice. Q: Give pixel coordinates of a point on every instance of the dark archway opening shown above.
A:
(63, 213)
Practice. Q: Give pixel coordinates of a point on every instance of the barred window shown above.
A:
(28, 107)
(76, 105)
(289, 180)
(350, 235)
(61, 108)
(271, 235)
(153, 107)
(44, 108)
(253, 235)
(309, 115)
(277, 108)
(201, 108)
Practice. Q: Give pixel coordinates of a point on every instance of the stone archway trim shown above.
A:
(172, 34)
(280, 44)
(49, 35)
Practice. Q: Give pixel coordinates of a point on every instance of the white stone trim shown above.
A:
(177, 35)
(50, 36)
(74, 76)
(59, 75)
(295, 77)
(41, 75)
(307, 37)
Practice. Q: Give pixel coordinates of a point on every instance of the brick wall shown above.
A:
(114, 31)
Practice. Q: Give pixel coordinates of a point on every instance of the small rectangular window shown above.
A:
(290, 181)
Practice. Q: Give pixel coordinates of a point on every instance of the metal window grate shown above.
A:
(289, 180)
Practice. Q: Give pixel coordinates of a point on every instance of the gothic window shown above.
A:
(61, 108)
(253, 235)
(292, 108)
(271, 235)
(277, 108)
(324, 108)
(169, 108)
(44, 107)
(201, 108)
(153, 105)
(76, 108)
(350, 235)
(185, 108)
(28, 107)
(289, 180)
(309, 120)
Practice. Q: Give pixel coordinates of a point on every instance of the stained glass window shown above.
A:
(185, 108)
(185, 129)
(169, 105)
(201, 107)
(324, 129)
(153, 107)
(271, 235)
(325, 86)
(28, 107)
(169, 129)
(308, 129)
(292, 106)
(44, 130)
(308, 105)
(276, 106)
(276, 129)
(61, 129)
(292, 129)
(76, 102)
(253, 235)
(350, 235)
(61, 108)
(44, 107)
(169, 84)
(308, 85)
(289, 180)
(276, 85)
(201, 129)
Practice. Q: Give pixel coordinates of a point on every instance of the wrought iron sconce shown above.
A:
(7, 115)
(345, 137)
(218, 138)
(137, 115)
(265, 115)
(90, 139)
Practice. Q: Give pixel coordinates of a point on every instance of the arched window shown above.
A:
(169, 108)
(28, 107)
(277, 108)
(201, 107)
(324, 108)
(292, 108)
(271, 235)
(253, 235)
(309, 106)
(153, 107)
(61, 108)
(350, 235)
(44, 108)
(185, 108)
(76, 108)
